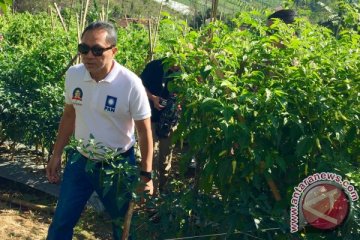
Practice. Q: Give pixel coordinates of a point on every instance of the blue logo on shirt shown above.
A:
(110, 104)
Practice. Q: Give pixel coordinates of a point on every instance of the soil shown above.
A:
(15, 224)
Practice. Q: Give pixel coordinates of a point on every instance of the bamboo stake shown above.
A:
(214, 8)
(78, 26)
(81, 15)
(61, 18)
(38, 207)
(85, 14)
(102, 14)
(127, 221)
(150, 57)
(52, 18)
(157, 24)
(205, 10)
(153, 34)
(107, 10)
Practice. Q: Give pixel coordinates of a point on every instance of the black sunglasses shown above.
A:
(96, 51)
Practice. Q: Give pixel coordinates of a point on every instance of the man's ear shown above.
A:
(114, 50)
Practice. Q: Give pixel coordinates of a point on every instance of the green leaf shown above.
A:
(233, 163)
(267, 94)
(230, 85)
(304, 146)
(222, 153)
(211, 104)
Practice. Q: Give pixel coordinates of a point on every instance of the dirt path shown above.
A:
(27, 225)
(20, 223)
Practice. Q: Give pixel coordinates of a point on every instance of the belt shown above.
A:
(126, 154)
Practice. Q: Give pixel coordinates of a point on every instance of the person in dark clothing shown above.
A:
(286, 15)
(155, 78)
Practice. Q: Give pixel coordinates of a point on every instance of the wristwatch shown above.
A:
(148, 175)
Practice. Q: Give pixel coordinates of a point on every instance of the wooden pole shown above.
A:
(61, 18)
(78, 27)
(153, 34)
(157, 23)
(32, 206)
(151, 53)
(127, 221)
(52, 18)
(214, 7)
(102, 14)
(107, 11)
(81, 15)
(85, 14)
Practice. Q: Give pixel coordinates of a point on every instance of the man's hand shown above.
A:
(148, 185)
(66, 129)
(146, 147)
(53, 169)
(156, 101)
(146, 188)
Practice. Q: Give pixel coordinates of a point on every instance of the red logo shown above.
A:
(325, 206)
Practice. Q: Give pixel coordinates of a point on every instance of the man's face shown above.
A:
(97, 65)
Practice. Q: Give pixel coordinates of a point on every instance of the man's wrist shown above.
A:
(146, 174)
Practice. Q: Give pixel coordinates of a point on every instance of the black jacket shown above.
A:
(155, 79)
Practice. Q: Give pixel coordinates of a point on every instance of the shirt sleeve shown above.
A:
(139, 103)
(66, 92)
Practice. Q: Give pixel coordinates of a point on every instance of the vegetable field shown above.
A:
(258, 119)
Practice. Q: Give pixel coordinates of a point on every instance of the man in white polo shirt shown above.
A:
(107, 101)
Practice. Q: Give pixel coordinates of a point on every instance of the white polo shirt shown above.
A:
(106, 109)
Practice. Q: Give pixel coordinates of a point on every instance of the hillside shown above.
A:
(316, 11)
(232, 6)
(117, 9)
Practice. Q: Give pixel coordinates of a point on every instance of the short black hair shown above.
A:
(286, 15)
(111, 37)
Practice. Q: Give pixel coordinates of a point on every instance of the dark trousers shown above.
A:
(77, 187)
